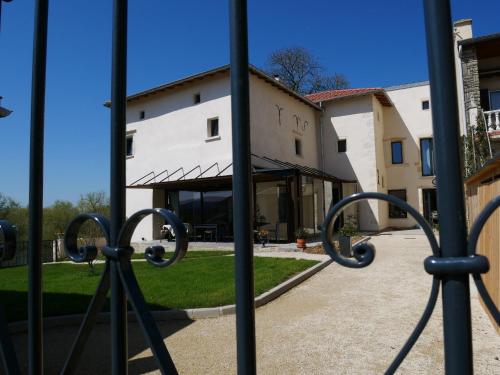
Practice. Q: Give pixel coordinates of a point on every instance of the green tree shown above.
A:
(56, 218)
(16, 214)
(94, 202)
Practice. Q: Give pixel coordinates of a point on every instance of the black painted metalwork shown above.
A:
(452, 260)
(450, 192)
(35, 322)
(119, 346)
(119, 256)
(242, 188)
(7, 252)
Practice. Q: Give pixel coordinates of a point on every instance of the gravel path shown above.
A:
(340, 321)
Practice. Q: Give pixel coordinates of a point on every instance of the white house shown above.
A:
(179, 155)
(307, 153)
(381, 138)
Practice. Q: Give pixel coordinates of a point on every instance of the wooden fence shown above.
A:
(481, 188)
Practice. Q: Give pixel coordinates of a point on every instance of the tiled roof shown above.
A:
(332, 94)
(336, 94)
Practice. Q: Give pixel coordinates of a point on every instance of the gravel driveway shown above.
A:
(340, 321)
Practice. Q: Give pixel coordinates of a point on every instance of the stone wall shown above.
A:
(471, 80)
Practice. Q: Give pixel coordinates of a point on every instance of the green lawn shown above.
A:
(199, 280)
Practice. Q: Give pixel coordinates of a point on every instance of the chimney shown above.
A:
(463, 29)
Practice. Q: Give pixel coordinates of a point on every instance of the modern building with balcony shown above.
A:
(478, 79)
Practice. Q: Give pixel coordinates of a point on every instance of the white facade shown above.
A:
(369, 128)
(170, 130)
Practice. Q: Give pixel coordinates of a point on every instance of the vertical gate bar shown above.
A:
(119, 346)
(450, 194)
(242, 188)
(35, 322)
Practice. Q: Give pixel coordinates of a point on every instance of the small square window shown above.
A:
(397, 152)
(342, 145)
(142, 115)
(197, 98)
(213, 128)
(426, 105)
(298, 147)
(130, 146)
(394, 211)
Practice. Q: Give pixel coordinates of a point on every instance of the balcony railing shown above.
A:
(492, 119)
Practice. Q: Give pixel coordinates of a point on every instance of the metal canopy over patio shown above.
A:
(286, 196)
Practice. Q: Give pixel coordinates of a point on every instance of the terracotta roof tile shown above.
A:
(334, 94)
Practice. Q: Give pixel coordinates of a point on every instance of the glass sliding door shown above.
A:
(271, 206)
(218, 210)
(190, 207)
(319, 204)
(308, 214)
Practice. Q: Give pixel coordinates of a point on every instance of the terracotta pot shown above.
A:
(301, 243)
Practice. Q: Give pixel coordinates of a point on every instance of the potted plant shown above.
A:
(301, 235)
(346, 233)
(263, 235)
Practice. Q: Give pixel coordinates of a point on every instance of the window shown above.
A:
(394, 211)
(427, 156)
(197, 98)
(298, 147)
(426, 105)
(494, 100)
(142, 115)
(130, 146)
(397, 152)
(342, 145)
(213, 128)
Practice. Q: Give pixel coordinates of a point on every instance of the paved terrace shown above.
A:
(340, 321)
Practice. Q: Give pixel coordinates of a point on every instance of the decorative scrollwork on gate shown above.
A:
(436, 265)
(121, 255)
(8, 355)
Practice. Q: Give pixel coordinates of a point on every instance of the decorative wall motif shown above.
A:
(279, 113)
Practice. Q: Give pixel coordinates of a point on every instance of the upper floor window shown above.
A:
(197, 98)
(427, 156)
(342, 145)
(142, 115)
(298, 147)
(213, 127)
(426, 105)
(397, 152)
(130, 146)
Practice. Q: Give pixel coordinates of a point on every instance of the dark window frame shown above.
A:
(342, 146)
(213, 127)
(426, 105)
(433, 169)
(298, 147)
(129, 147)
(392, 152)
(394, 211)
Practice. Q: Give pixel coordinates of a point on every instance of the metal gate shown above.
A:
(453, 259)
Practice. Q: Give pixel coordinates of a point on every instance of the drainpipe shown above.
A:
(321, 138)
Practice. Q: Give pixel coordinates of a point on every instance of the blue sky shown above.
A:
(372, 43)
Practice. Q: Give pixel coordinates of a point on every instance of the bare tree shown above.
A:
(298, 69)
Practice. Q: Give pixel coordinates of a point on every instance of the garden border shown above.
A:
(190, 314)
